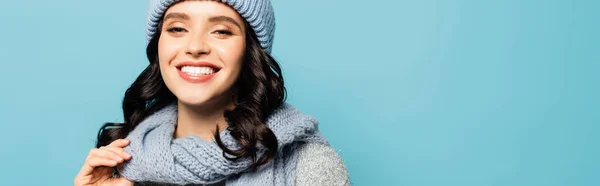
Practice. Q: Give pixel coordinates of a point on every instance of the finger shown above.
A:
(86, 169)
(119, 143)
(94, 161)
(120, 151)
(100, 161)
(105, 153)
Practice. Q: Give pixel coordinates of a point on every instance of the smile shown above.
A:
(197, 72)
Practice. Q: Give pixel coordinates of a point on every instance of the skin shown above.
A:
(206, 31)
(202, 31)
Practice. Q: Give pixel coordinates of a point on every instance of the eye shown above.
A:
(223, 32)
(176, 29)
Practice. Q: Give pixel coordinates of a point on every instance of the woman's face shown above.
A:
(200, 50)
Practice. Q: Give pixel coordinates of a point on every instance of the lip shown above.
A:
(198, 64)
(200, 78)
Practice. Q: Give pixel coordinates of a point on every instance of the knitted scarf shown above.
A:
(158, 157)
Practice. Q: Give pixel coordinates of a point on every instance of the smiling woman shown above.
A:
(210, 108)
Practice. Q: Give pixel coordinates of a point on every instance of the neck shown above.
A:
(201, 120)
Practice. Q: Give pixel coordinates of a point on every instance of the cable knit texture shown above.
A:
(317, 164)
(158, 157)
(258, 13)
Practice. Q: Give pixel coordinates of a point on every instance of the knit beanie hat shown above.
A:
(258, 13)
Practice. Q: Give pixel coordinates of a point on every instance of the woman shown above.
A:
(210, 108)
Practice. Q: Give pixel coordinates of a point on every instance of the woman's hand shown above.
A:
(97, 169)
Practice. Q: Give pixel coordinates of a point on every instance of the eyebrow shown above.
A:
(177, 15)
(225, 19)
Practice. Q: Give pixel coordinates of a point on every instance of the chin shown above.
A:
(199, 94)
(193, 99)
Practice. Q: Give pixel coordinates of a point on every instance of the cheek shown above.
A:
(167, 50)
(232, 54)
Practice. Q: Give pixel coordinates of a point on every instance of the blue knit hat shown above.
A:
(258, 13)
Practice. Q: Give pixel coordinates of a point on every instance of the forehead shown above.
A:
(196, 9)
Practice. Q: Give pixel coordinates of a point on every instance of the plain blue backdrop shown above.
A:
(428, 92)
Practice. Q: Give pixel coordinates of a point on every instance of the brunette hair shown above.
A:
(259, 91)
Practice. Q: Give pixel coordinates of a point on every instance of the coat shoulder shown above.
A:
(320, 164)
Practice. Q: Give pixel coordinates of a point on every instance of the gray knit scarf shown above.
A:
(158, 157)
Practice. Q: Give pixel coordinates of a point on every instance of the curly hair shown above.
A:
(260, 90)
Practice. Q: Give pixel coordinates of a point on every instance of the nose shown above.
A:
(197, 46)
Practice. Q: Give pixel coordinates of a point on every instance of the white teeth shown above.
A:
(195, 71)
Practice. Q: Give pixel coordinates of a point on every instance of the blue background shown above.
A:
(429, 92)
